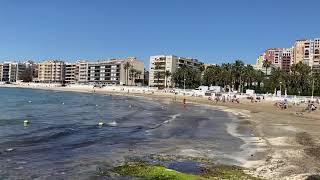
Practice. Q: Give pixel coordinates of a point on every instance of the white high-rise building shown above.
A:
(161, 63)
(11, 71)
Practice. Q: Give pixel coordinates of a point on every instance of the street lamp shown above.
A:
(184, 82)
(312, 88)
(280, 88)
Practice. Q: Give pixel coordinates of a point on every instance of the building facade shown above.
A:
(116, 71)
(51, 71)
(70, 73)
(1, 66)
(81, 72)
(307, 51)
(298, 51)
(161, 63)
(286, 59)
(316, 54)
(278, 57)
(274, 56)
(11, 71)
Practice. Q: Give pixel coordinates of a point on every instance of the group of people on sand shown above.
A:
(224, 99)
(311, 105)
(282, 104)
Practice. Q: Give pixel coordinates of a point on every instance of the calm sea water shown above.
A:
(64, 141)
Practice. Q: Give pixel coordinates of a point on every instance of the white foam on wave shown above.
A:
(172, 118)
(112, 123)
(252, 145)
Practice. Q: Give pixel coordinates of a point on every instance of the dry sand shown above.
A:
(288, 143)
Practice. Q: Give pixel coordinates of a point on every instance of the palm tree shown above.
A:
(202, 68)
(167, 74)
(226, 71)
(249, 73)
(126, 67)
(238, 70)
(302, 75)
(158, 73)
(132, 72)
(266, 64)
(137, 74)
(277, 78)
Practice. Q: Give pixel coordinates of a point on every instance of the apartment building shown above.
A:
(307, 51)
(316, 55)
(278, 57)
(76, 72)
(11, 71)
(1, 66)
(298, 51)
(159, 64)
(51, 71)
(273, 55)
(70, 73)
(286, 59)
(81, 72)
(116, 71)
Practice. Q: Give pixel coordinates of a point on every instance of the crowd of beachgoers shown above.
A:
(281, 102)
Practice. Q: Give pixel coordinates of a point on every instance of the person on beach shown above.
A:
(251, 99)
(311, 106)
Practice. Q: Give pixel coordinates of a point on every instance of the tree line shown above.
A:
(239, 77)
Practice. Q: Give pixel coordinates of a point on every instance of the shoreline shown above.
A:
(280, 154)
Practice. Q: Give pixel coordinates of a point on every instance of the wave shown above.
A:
(172, 118)
(41, 138)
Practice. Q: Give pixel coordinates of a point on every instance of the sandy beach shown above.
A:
(287, 141)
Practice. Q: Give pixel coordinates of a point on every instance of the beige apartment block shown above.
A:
(116, 71)
(161, 63)
(70, 73)
(81, 72)
(298, 51)
(51, 71)
(307, 51)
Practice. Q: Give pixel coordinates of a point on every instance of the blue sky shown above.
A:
(212, 31)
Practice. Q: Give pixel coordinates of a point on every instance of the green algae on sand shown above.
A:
(145, 171)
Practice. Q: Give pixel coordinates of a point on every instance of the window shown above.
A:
(306, 53)
(316, 51)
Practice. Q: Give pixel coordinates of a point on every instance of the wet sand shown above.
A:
(287, 141)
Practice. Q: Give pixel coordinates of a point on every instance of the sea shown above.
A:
(62, 138)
